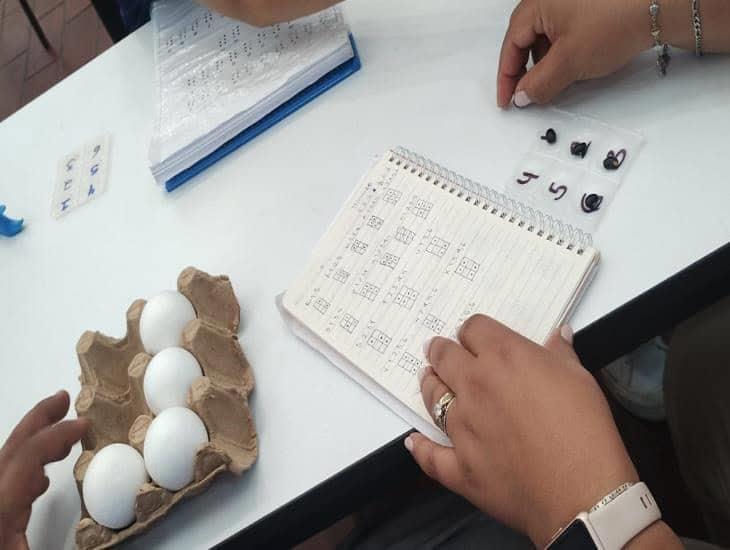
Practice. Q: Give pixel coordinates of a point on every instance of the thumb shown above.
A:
(561, 343)
(546, 79)
(437, 462)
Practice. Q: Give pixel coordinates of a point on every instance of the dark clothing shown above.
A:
(697, 401)
(434, 518)
(134, 13)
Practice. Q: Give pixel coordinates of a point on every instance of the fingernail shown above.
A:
(409, 444)
(521, 99)
(420, 374)
(567, 333)
(59, 393)
(427, 346)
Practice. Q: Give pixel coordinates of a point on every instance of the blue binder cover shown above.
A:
(335, 76)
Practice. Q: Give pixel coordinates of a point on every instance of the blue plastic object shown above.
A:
(8, 226)
(329, 80)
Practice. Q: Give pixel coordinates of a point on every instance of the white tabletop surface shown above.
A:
(427, 83)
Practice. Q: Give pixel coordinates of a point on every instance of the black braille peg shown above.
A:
(579, 148)
(550, 136)
(613, 161)
(591, 202)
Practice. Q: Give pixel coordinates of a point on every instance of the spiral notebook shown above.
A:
(415, 251)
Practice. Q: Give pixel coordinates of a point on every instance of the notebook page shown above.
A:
(211, 68)
(406, 260)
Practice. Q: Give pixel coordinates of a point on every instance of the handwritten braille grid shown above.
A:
(409, 363)
(467, 268)
(404, 235)
(341, 276)
(438, 247)
(421, 208)
(434, 324)
(406, 297)
(82, 176)
(349, 323)
(392, 196)
(359, 247)
(379, 341)
(321, 305)
(375, 222)
(369, 291)
(389, 260)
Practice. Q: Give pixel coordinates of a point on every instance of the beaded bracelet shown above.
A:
(697, 25)
(663, 56)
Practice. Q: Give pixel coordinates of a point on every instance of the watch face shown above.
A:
(574, 537)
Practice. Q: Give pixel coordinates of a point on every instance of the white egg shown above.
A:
(172, 440)
(163, 319)
(110, 486)
(168, 378)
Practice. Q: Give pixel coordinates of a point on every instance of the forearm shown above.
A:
(657, 536)
(267, 12)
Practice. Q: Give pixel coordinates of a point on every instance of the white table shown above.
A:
(427, 83)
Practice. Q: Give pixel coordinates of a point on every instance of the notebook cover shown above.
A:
(332, 78)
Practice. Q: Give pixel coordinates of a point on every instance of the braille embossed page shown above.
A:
(414, 252)
(217, 76)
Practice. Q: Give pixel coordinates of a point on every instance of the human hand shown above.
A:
(534, 439)
(570, 40)
(262, 13)
(38, 439)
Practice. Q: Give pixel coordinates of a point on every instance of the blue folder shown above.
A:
(335, 76)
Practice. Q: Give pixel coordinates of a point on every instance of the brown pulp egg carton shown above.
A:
(112, 398)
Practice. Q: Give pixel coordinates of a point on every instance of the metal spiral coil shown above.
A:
(494, 202)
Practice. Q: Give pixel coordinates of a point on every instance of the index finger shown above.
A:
(449, 360)
(45, 413)
(515, 52)
(483, 335)
(54, 442)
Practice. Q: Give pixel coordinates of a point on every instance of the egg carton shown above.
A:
(113, 400)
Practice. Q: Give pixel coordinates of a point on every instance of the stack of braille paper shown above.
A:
(222, 82)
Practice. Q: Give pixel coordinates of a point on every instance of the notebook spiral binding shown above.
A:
(493, 202)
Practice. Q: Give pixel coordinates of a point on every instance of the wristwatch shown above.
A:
(611, 523)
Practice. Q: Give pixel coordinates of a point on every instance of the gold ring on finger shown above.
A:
(441, 409)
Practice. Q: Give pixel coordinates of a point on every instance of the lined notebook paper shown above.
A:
(414, 252)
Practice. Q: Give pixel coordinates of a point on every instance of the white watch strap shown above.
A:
(624, 517)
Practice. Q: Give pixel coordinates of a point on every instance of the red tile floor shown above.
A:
(27, 70)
